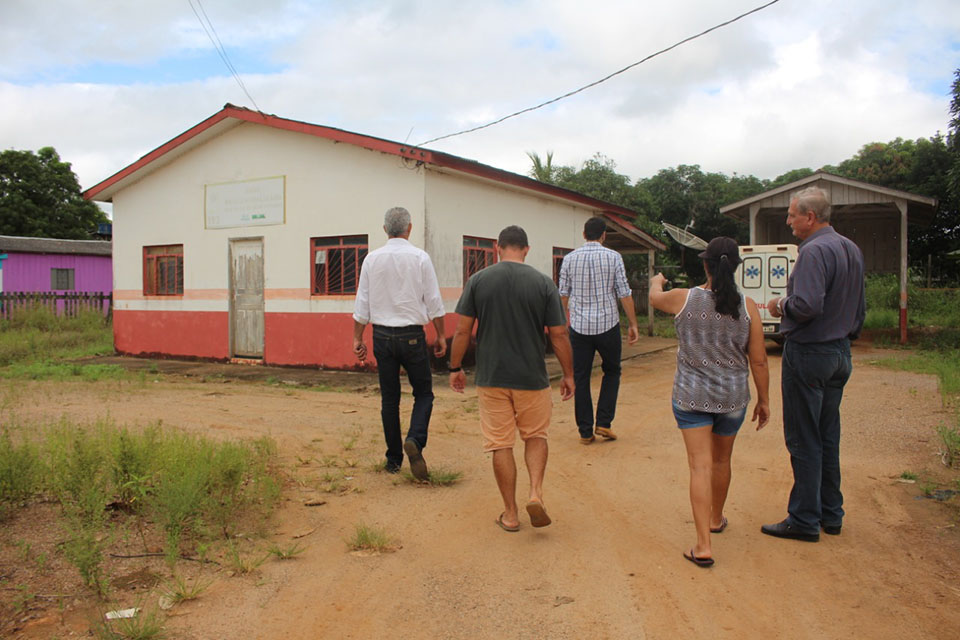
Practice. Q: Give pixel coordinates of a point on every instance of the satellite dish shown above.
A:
(684, 237)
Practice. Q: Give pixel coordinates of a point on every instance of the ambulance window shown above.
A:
(779, 270)
(751, 275)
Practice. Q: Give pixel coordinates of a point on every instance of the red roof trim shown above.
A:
(368, 142)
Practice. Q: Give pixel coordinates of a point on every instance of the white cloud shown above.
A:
(799, 84)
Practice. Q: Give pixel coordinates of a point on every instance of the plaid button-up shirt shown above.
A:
(594, 278)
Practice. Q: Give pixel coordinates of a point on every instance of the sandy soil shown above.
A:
(609, 567)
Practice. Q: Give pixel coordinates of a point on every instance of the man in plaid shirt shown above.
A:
(592, 278)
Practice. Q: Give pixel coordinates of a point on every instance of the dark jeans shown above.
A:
(394, 347)
(608, 345)
(812, 381)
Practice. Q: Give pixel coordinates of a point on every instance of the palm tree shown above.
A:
(542, 171)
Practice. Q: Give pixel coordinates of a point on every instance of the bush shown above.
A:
(20, 472)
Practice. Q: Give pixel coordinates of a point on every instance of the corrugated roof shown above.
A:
(18, 244)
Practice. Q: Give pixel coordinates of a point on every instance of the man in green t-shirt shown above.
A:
(513, 302)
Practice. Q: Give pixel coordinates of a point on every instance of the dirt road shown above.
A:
(610, 566)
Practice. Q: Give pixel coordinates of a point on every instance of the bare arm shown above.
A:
(633, 332)
(359, 348)
(458, 347)
(757, 353)
(667, 301)
(440, 348)
(560, 340)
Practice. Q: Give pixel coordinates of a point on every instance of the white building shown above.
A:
(243, 236)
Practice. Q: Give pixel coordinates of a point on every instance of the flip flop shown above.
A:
(538, 515)
(505, 527)
(700, 562)
(723, 525)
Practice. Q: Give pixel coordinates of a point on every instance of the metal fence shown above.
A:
(68, 303)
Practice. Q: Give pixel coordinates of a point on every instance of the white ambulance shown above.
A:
(762, 275)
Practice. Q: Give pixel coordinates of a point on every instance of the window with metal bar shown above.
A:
(336, 262)
(61, 279)
(163, 270)
(478, 253)
(558, 253)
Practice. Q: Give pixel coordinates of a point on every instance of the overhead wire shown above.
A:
(601, 80)
(221, 50)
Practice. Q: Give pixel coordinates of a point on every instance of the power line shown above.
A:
(221, 50)
(604, 79)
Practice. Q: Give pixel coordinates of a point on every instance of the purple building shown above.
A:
(46, 265)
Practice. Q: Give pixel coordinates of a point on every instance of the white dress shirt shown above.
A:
(398, 287)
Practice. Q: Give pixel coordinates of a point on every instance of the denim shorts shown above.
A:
(724, 424)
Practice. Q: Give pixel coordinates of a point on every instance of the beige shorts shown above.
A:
(504, 412)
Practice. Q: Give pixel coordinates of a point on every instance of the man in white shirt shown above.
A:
(398, 293)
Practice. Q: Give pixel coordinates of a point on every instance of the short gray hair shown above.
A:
(813, 199)
(396, 221)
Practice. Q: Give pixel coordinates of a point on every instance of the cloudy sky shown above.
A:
(802, 83)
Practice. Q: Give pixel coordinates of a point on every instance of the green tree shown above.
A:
(953, 139)
(40, 197)
(685, 196)
(541, 169)
(923, 167)
(790, 176)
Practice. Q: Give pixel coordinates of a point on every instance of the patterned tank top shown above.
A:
(712, 366)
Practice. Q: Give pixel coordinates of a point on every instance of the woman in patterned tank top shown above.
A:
(720, 338)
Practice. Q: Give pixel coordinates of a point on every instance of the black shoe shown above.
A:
(832, 529)
(391, 467)
(418, 466)
(786, 530)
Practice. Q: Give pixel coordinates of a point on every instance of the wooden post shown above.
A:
(902, 206)
(754, 209)
(650, 274)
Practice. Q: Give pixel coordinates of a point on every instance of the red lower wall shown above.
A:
(294, 339)
(197, 334)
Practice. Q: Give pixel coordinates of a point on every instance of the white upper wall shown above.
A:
(457, 206)
(331, 189)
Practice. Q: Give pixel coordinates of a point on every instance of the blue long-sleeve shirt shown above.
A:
(825, 293)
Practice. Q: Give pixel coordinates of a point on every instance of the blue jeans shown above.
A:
(394, 347)
(812, 381)
(608, 345)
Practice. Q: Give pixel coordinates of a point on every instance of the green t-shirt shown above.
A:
(512, 302)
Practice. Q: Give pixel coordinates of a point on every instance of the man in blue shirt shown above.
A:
(823, 310)
(592, 278)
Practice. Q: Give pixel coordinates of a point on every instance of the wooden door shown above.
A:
(246, 297)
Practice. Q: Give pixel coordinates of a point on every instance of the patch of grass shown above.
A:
(190, 487)
(950, 444)
(437, 477)
(61, 371)
(881, 319)
(288, 552)
(663, 326)
(909, 475)
(179, 589)
(20, 472)
(145, 625)
(367, 538)
(927, 488)
(943, 364)
(243, 565)
(37, 334)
